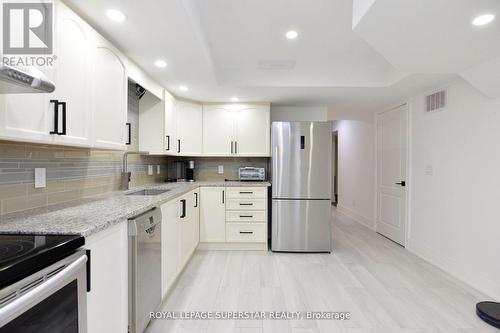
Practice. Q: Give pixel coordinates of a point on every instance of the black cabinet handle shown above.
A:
(246, 192)
(246, 204)
(89, 286)
(183, 206)
(63, 118)
(222, 196)
(168, 142)
(232, 142)
(236, 147)
(247, 216)
(56, 116)
(246, 232)
(402, 183)
(178, 145)
(196, 199)
(129, 140)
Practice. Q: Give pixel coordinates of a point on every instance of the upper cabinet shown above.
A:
(109, 78)
(74, 43)
(151, 124)
(236, 130)
(188, 128)
(88, 107)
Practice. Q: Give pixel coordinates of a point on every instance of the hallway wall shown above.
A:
(356, 145)
(455, 186)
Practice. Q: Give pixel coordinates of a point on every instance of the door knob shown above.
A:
(402, 183)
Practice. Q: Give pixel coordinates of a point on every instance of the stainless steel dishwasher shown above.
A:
(144, 268)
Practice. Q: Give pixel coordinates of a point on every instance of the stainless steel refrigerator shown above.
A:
(301, 186)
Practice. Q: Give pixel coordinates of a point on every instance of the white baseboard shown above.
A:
(476, 280)
(367, 222)
(233, 246)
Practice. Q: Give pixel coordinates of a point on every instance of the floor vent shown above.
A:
(436, 101)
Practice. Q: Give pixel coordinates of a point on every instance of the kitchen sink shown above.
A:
(148, 192)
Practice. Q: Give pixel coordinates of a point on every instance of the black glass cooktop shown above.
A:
(22, 255)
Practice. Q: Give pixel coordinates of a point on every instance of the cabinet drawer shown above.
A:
(246, 216)
(246, 232)
(246, 192)
(246, 204)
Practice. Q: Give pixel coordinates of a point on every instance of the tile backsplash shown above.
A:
(206, 168)
(72, 173)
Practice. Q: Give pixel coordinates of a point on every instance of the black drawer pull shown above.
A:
(246, 204)
(246, 232)
(248, 216)
(245, 192)
(183, 206)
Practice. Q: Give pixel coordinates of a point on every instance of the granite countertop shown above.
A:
(88, 216)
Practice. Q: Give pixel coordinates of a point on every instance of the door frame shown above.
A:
(408, 168)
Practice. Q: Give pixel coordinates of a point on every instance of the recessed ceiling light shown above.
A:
(116, 15)
(235, 99)
(483, 19)
(292, 34)
(183, 88)
(160, 63)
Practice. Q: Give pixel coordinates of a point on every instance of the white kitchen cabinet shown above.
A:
(190, 224)
(151, 124)
(188, 128)
(74, 43)
(252, 130)
(30, 117)
(236, 130)
(109, 82)
(107, 302)
(218, 130)
(169, 136)
(212, 214)
(171, 243)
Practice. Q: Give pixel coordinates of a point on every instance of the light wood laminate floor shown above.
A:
(386, 289)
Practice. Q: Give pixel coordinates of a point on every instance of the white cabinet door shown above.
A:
(171, 243)
(110, 96)
(252, 130)
(212, 214)
(74, 45)
(195, 216)
(186, 228)
(170, 125)
(189, 128)
(218, 130)
(26, 117)
(107, 302)
(151, 124)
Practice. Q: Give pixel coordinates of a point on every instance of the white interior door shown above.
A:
(391, 178)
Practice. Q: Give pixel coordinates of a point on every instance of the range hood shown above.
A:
(17, 81)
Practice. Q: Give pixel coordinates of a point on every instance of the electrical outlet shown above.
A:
(220, 169)
(429, 170)
(158, 170)
(40, 177)
(150, 170)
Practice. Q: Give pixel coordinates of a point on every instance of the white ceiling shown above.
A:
(224, 48)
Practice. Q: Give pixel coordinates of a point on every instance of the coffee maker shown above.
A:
(190, 171)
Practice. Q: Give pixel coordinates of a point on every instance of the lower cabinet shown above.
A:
(107, 302)
(212, 214)
(233, 218)
(180, 236)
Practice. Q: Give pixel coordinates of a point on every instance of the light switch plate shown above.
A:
(429, 170)
(40, 177)
(150, 170)
(220, 170)
(158, 170)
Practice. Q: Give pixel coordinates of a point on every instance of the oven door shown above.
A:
(52, 300)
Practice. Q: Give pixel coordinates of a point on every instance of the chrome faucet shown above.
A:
(126, 175)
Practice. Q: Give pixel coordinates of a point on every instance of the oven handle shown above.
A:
(18, 306)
